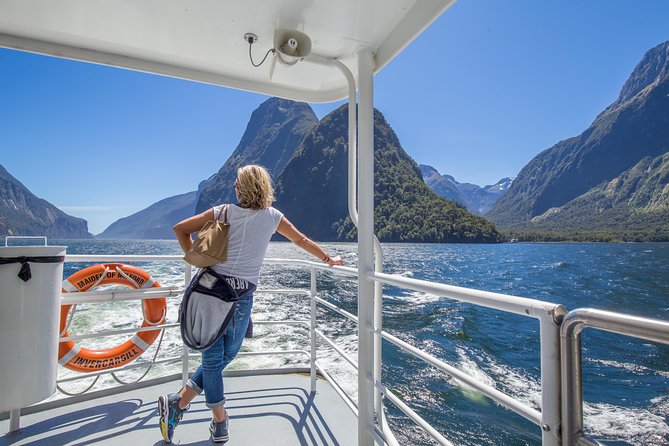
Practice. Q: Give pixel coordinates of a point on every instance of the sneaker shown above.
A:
(219, 431)
(170, 414)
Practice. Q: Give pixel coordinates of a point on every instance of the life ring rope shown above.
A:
(102, 277)
(65, 392)
(70, 317)
(155, 355)
(126, 277)
(154, 311)
(158, 322)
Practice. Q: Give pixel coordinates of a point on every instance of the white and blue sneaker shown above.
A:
(219, 431)
(170, 414)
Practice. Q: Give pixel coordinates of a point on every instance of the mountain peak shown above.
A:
(653, 68)
(315, 179)
(476, 199)
(500, 186)
(270, 115)
(431, 172)
(274, 130)
(282, 107)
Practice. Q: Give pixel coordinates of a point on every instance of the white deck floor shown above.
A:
(264, 410)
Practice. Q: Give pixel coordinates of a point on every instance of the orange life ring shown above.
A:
(82, 359)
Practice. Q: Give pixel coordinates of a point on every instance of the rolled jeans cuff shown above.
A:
(194, 387)
(215, 405)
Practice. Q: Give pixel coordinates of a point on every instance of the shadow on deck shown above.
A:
(263, 409)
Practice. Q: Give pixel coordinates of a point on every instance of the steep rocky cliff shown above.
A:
(22, 213)
(635, 127)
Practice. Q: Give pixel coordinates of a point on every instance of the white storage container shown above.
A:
(29, 322)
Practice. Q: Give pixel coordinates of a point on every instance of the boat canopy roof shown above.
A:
(203, 40)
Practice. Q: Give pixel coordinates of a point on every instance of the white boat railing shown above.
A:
(572, 375)
(561, 413)
(106, 296)
(549, 316)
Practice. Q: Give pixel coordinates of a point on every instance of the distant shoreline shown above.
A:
(587, 236)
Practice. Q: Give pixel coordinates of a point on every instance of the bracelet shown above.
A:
(326, 259)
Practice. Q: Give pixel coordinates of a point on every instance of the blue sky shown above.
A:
(481, 92)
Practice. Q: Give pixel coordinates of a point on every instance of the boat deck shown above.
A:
(275, 409)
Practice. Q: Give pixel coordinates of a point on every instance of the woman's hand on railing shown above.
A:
(332, 261)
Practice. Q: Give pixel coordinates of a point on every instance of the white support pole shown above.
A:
(378, 252)
(365, 247)
(312, 331)
(14, 420)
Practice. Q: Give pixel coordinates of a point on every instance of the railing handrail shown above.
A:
(29, 237)
(90, 297)
(504, 302)
(116, 258)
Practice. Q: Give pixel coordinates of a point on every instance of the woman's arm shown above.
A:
(289, 231)
(186, 227)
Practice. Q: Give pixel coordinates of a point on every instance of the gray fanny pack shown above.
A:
(207, 308)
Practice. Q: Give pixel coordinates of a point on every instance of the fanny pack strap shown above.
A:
(241, 292)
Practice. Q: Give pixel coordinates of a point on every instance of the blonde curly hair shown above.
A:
(254, 187)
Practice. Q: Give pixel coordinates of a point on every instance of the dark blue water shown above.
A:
(625, 380)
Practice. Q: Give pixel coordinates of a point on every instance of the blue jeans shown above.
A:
(209, 376)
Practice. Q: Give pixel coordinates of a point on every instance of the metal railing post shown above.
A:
(572, 374)
(549, 328)
(184, 351)
(365, 248)
(312, 331)
(572, 403)
(14, 420)
(378, 348)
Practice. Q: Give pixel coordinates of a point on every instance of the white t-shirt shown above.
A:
(250, 232)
